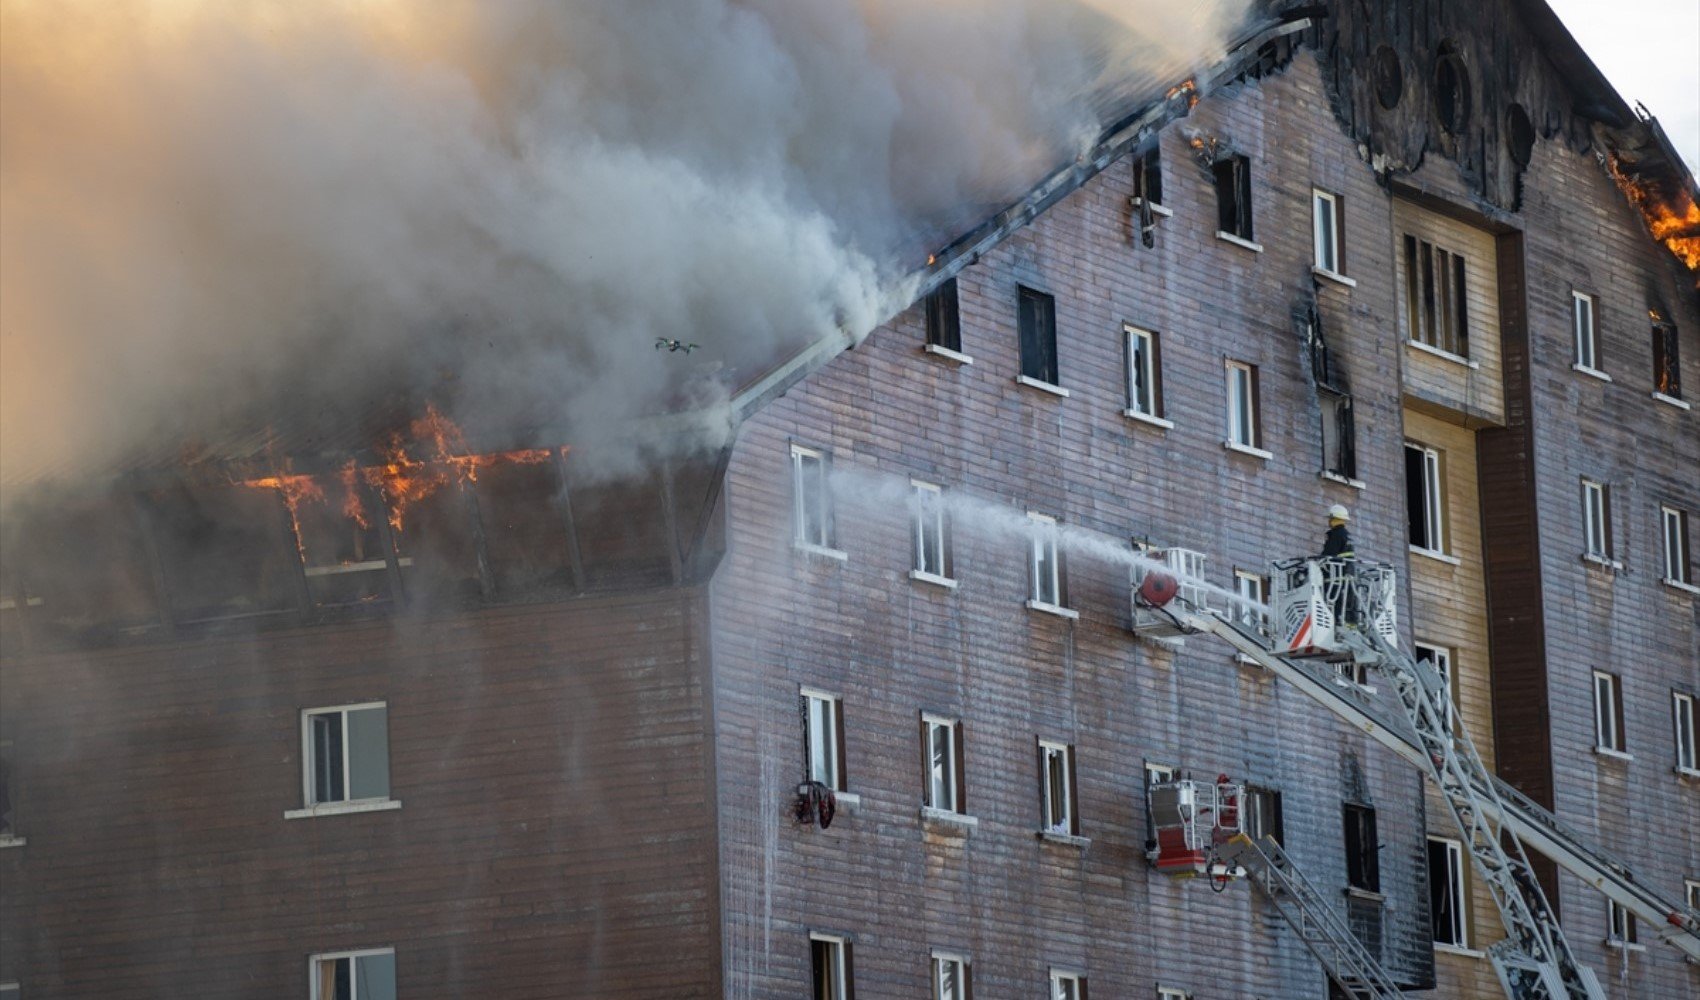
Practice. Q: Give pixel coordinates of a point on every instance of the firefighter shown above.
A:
(1340, 567)
(1338, 543)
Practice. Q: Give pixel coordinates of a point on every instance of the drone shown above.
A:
(674, 345)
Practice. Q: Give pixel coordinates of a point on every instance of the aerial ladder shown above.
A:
(1302, 639)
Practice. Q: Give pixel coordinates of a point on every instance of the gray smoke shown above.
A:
(222, 219)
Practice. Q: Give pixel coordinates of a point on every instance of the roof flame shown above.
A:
(1677, 225)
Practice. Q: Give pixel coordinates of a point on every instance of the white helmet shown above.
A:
(1338, 512)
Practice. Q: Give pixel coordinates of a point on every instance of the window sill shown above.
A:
(947, 354)
(822, 552)
(1436, 555)
(933, 579)
(1367, 895)
(1334, 276)
(1066, 839)
(1246, 661)
(1238, 241)
(1335, 477)
(1671, 401)
(1458, 949)
(1610, 754)
(1602, 562)
(1685, 773)
(1446, 355)
(1246, 449)
(1033, 383)
(1687, 588)
(1146, 418)
(343, 808)
(1619, 945)
(1052, 609)
(945, 817)
(1591, 372)
(8, 840)
(847, 801)
(1155, 208)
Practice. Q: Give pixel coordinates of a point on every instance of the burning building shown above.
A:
(851, 693)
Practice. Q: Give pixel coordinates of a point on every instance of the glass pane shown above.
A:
(1324, 233)
(941, 790)
(327, 756)
(950, 980)
(368, 754)
(1056, 784)
(374, 977)
(823, 743)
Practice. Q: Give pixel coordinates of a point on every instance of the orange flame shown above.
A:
(352, 506)
(1187, 87)
(1677, 227)
(406, 480)
(294, 490)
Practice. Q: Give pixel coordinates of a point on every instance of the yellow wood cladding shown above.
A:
(1474, 391)
(1449, 609)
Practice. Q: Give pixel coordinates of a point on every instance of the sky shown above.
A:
(1650, 51)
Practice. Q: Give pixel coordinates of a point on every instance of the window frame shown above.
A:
(309, 761)
(1691, 888)
(1609, 737)
(1060, 977)
(1585, 337)
(1172, 993)
(1368, 851)
(838, 948)
(1339, 436)
(1596, 520)
(1042, 540)
(939, 961)
(832, 713)
(1331, 236)
(943, 317)
(313, 962)
(1685, 733)
(1263, 815)
(954, 791)
(1260, 593)
(1437, 297)
(1622, 930)
(927, 510)
(1243, 411)
(1458, 885)
(1041, 336)
(1433, 495)
(801, 455)
(1231, 176)
(1674, 543)
(1146, 364)
(1053, 786)
(1667, 361)
(1442, 663)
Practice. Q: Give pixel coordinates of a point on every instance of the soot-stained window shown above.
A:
(1451, 91)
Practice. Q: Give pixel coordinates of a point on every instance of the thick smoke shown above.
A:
(221, 219)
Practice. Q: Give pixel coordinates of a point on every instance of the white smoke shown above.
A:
(222, 215)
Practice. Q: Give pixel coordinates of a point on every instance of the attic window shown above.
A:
(1451, 91)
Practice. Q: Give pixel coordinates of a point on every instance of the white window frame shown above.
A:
(1691, 888)
(1144, 401)
(802, 492)
(1584, 332)
(1434, 499)
(1172, 993)
(1441, 660)
(1455, 876)
(927, 534)
(1188, 565)
(311, 806)
(314, 961)
(1261, 812)
(942, 960)
(1672, 521)
(1250, 586)
(1621, 928)
(840, 975)
(1608, 690)
(1057, 794)
(947, 787)
(1065, 985)
(1045, 588)
(1159, 774)
(825, 716)
(1326, 238)
(1596, 532)
(1682, 733)
(1242, 407)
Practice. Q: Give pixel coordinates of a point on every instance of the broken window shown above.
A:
(1437, 312)
(1451, 91)
(354, 975)
(80, 568)
(1439, 658)
(829, 963)
(1608, 712)
(1596, 520)
(931, 538)
(1667, 361)
(346, 753)
(1233, 196)
(1038, 322)
(1056, 788)
(1425, 489)
(339, 526)
(941, 743)
(1263, 814)
(1363, 850)
(1339, 435)
(1582, 331)
(823, 738)
(1328, 231)
(1144, 374)
(1673, 526)
(944, 318)
(1148, 177)
(622, 527)
(225, 551)
(1243, 425)
(525, 527)
(1446, 900)
(1045, 571)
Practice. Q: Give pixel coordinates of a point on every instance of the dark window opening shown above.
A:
(1446, 892)
(226, 552)
(1519, 135)
(1339, 436)
(1263, 814)
(944, 318)
(79, 569)
(1389, 77)
(1148, 177)
(1667, 361)
(525, 527)
(1436, 299)
(1038, 321)
(1451, 92)
(1233, 196)
(1363, 867)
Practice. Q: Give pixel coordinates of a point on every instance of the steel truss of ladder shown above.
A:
(1312, 916)
(1534, 961)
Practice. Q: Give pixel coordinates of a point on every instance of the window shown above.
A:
(1328, 231)
(1148, 177)
(1440, 658)
(354, 975)
(1144, 387)
(944, 318)
(1424, 490)
(1171, 993)
(950, 977)
(1067, 986)
(1620, 925)
(1043, 565)
(1682, 722)
(1339, 435)
(1582, 329)
(1158, 774)
(829, 960)
(1253, 592)
(9, 991)
(1446, 900)
(1243, 429)
(1608, 712)
(347, 754)
(1667, 362)
(812, 501)
(1038, 321)
(1436, 307)
(941, 742)
(932, 548)
(1363, 867)
(823, 738)
(1056, 787)
(1263, 814)
(1673, 524)
(1233, 196)
(1692, 888)
(1596, 519)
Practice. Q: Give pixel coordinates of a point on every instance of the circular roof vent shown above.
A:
(1451, 91)
(1388, 77)
(1519, 134)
